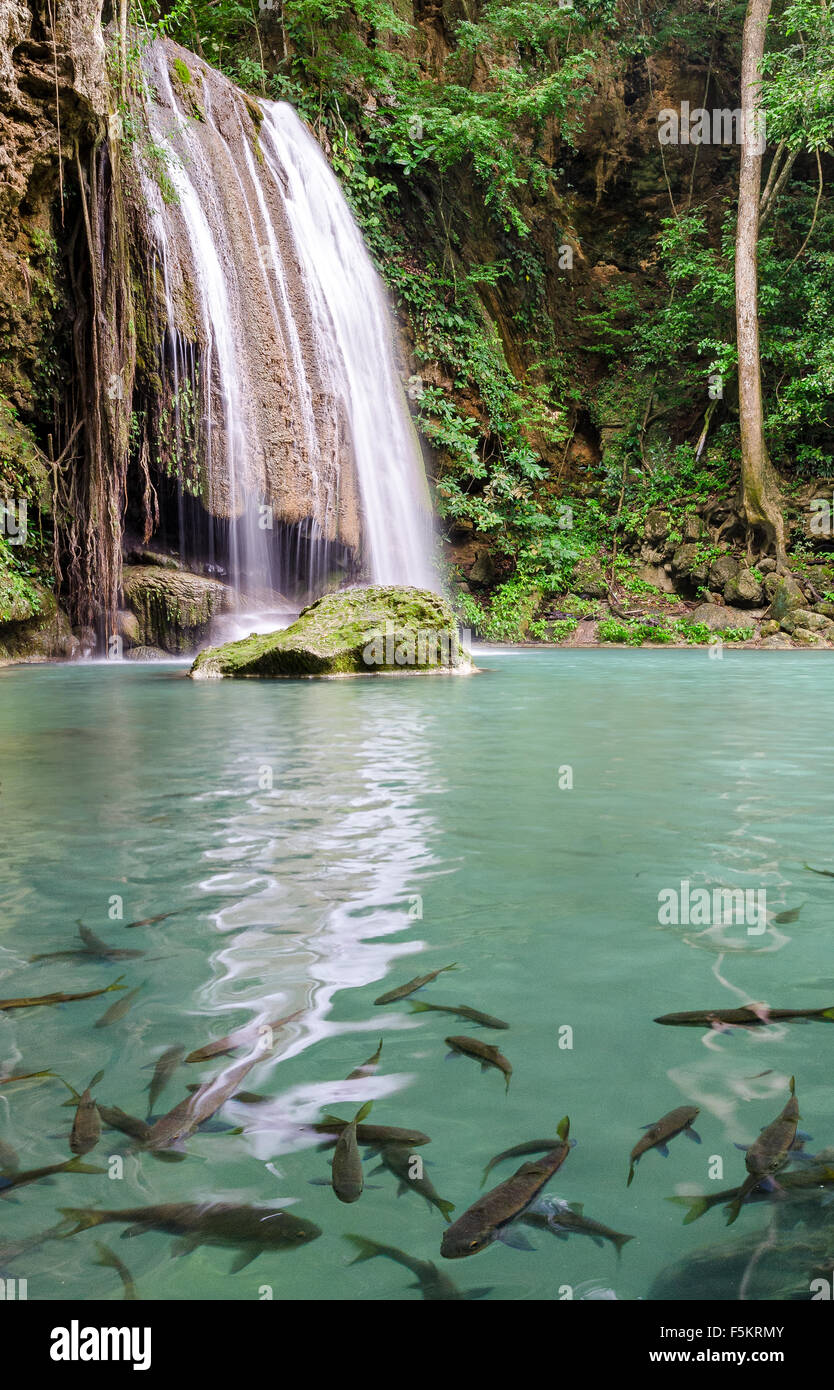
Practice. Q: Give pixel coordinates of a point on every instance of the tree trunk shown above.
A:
(760, 501)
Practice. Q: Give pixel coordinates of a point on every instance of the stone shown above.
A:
(769, 627)
(656, 575)
(814, 622)
(483, 570)
(827, 609)
(127, 626)
(805, 637)
(657, 524)
(715, 616)
(146, 654)
(690, 565)
(589, 579)
(692, 528)
(767, 565)
(354, 631)
(743, 590)
(784, 595)
(722, 569)
(45, 634)
(174, 608)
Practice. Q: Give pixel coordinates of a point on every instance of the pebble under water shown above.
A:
(313, 845)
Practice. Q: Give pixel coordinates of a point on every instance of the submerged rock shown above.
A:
(354, 631)
(174, 608)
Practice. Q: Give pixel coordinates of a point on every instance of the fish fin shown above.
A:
(630, 1175)
(792, 1084)
(697, 1206)
(577, 1207)
(651, 1126)
(96, 1079)
(733, 1211)
(487, 1172)
(515, 1239)
(244, 1257)
(84, 1218)
(418, 1008)
(183, 1245)
(445, 1207)
(364, 1112)
(663, 1150)
(827, 1013)
(563, 1128)
(319, 1182)
(450, 1057)
(453, 966)
(75, 1165)
(368, 1249)
(477, 1293)
(692, 1134)
(620, 1241)
(770, 1185)
(485, 1066)
(373, 1171)
(745, 1147)
(803, 1137)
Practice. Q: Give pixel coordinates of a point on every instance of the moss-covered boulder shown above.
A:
(34, 628)
(355, 631)
(174, 608)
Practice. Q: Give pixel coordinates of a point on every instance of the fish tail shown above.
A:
(105, 1256)
(827, 1013)
(630, 1179)
(364, 1112)
(117, 984)
(445, 1208)
(368, 1249)
(453, 966)
(563, 1129)
(620, 1241)
(418, 1008)
(696, 1207)
(84, 1217)
(487, 1172)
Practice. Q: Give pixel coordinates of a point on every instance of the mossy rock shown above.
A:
(44, 633)
(174, 608)
(355, 631)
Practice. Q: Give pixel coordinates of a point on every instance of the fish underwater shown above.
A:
(37, 1000)
(69, 1165)
(117, 1011)
(171, 1129)
(490, 1218)
(751, 1016)
(767, 1154)
(110, 1260)
(408, 1170)
(86, 1128)
(462, 1011)
(563, 1219)
(93, 948)
(532, 1146)
(403, 991)
(370, 1136)
(658, 1135)
(163, 1071)
(367, 1068)
(802, 1182)
(348, 1180)
(252, 1230)
(433, 1283)
(486, 1053)
(241, 1037)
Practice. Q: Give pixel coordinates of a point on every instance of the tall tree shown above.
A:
(760, 501)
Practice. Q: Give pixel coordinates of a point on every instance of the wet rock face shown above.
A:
(173, 609)
(355, 631)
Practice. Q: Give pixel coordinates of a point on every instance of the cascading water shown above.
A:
(278, 322)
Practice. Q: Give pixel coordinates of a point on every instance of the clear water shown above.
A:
(389, 797)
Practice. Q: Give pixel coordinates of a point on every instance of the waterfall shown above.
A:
(275, 316)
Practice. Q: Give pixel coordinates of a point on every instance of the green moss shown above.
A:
(182, 71)
(357, 630)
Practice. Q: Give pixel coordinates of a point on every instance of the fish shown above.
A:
(117, 1011)
(25, 1076)
(93, 946)
(86, 1129)
(179, 1123)
(490, 1217)
(374, 1136)
(115, 1118)
(485, 1053)
(69, 1165)
(434, 1285)
(657, 1136)
(462, 1011)
(747, 1017)
(249, 1033)
(348, 1180)
(149, 921)
(826, 873)
(110, 1260)
(367, 1068)
(9, 1160)
(533, 1146)
(36, 1000)
(14, 1249)
(802, 1181)
(402, 991)
(567, 1218)
(790, 914)
(767, 1154)
(399, 1160)
(163, 1071)
(252, 1230)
